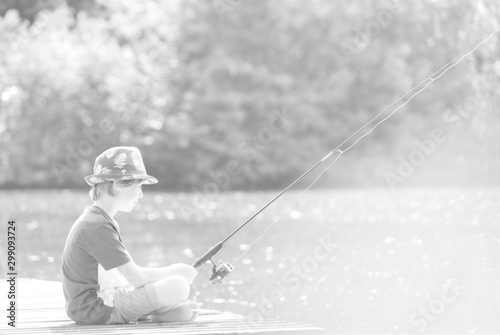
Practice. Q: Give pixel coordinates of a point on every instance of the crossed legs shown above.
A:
(172, 292)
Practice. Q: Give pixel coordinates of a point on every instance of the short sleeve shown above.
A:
(107, 248)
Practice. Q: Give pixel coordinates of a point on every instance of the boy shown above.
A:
(101, 282)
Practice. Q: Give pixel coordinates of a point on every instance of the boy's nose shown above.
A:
(140, 194)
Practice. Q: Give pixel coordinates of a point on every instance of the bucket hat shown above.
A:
(119, 163)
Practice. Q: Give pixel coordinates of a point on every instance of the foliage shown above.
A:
(196, 88)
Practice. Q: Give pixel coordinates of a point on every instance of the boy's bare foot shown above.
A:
(187, 311)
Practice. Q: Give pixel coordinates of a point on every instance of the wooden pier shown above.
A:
(40, 310)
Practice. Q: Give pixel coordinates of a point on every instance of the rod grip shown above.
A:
(215, 249)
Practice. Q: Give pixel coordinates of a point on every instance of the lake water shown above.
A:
(352, 261)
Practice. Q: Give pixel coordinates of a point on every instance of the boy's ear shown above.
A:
(116, 186)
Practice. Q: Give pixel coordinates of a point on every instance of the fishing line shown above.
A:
(219, 272)
(286, 210)
(496, 73)
(430, 79)
(445, 67)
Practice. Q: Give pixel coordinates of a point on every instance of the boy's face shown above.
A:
(128, 196)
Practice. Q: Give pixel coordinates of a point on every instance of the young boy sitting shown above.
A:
(101, 282)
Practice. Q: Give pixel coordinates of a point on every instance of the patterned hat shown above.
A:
(119, 163)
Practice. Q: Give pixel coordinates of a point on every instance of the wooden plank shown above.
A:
(40, 310)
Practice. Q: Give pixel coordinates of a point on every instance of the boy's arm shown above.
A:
(140, 276)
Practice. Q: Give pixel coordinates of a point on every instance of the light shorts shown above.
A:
(132, 305)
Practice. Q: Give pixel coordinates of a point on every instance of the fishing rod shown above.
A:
(224, 268)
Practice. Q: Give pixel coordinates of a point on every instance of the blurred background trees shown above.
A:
(198, 85)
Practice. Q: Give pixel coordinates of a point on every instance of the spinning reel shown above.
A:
(218, 271)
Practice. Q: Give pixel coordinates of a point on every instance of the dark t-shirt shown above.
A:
(93, 240)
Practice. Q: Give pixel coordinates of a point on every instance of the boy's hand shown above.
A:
(187, 271)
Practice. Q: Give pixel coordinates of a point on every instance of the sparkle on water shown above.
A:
(348, 260)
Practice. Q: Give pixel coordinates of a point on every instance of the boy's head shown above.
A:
(111, 188)
(124, 193)
(119, 172)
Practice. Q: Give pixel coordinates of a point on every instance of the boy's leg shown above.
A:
(183, 312)
(162, 295)
(172, 293)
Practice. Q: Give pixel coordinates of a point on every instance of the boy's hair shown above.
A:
(107, 187)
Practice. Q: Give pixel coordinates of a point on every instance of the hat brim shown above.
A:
(92, 180)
